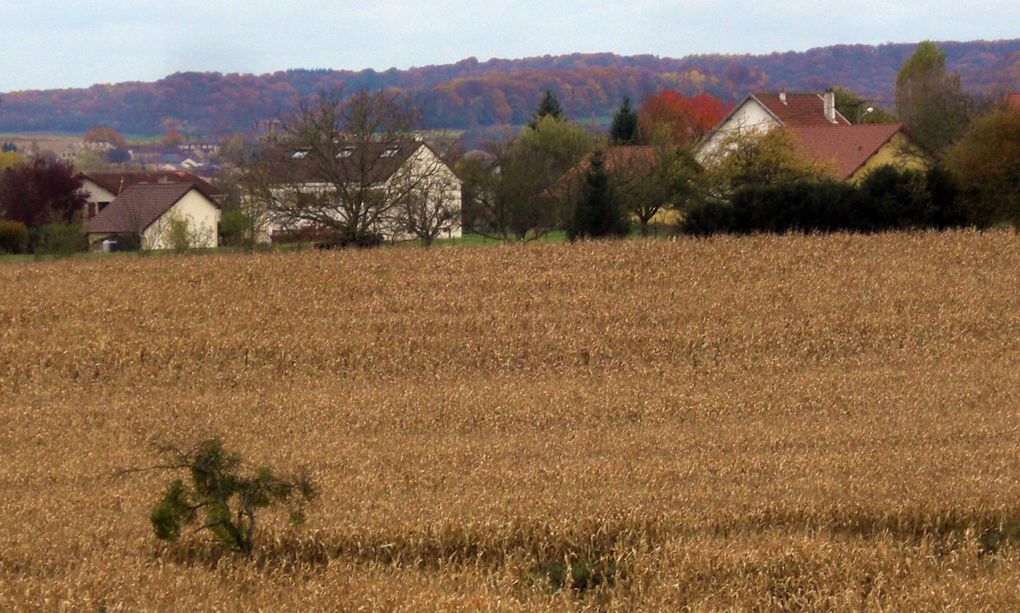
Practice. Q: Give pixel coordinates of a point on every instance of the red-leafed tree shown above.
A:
(40, 192)
(682, 120)
(104, 134)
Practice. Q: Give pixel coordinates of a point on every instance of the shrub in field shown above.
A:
(13, 237)
(580, 575)
(226, 499)
(61, 239)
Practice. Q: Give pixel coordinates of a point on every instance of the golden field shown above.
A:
(809, 423)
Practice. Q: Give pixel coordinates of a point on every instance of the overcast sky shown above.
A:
(74, 43)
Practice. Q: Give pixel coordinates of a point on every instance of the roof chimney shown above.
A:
(782, 95)
(830, 105)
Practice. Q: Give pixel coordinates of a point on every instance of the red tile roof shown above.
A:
(847, 148)
(799, 109)
(138, 206)
(115, 182)
(1013, 101)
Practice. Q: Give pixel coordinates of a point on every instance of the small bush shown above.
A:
(13, 237)
(362, 240)
(235, 229)
(179, 235)
(580, 575)
(227, 499)
(61, 239)
(708, 217)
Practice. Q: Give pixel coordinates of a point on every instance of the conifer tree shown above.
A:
(596, 214)
(548, 107)
(625, 124)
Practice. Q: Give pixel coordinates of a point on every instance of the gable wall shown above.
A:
(892, 153)
(750, 115)
(94, 194)
(203, 218)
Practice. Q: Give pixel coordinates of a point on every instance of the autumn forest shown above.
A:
(472, 94)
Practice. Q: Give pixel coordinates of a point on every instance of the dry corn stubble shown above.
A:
(799, 422)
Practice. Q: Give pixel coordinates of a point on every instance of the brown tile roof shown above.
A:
(115, 182)
(799, 109)
(372, 161)
(847, 148)
(138, 206)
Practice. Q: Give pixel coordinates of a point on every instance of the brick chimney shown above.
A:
(829, 99)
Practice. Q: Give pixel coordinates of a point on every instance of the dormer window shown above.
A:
(390, 152)
(346, 152)
(299, 154)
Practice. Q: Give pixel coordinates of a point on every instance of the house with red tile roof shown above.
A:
(820, 132)
(851, 152)
(148, 212)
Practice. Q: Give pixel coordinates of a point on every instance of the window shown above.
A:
(390, 152)
(346, 152)
(300, 154)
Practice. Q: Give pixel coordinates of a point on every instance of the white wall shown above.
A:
(94, 194)
(201, 215)
(750, 115)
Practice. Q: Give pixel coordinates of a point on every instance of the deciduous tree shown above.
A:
(986, 162)
(860, 110)
(651, 179)
(756, 158)
(41, 191)
(330, 169)
(105, 134)
(670, 116)
(521, 196)
(930, 100)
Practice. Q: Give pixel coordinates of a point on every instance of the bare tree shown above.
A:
(431, 205)
(338, 167)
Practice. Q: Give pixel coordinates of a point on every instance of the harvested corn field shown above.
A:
(754, 423)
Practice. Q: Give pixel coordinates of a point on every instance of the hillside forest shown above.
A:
(473, 94)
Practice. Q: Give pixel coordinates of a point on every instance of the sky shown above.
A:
(77, 43)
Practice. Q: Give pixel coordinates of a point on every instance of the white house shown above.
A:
(820, 134)
(150, 212)
(396, 174)
(764, 111)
